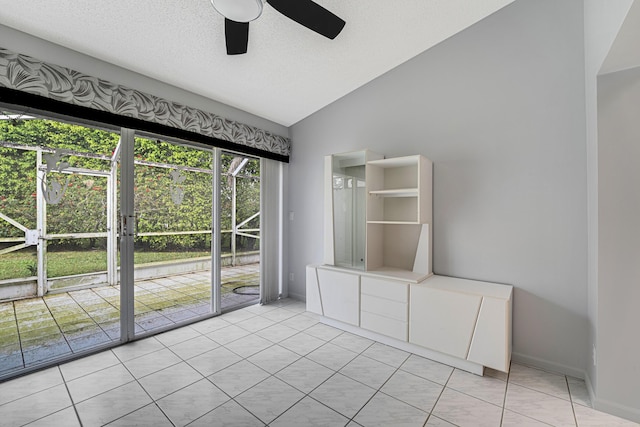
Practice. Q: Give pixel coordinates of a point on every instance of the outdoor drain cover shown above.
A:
(247, 290)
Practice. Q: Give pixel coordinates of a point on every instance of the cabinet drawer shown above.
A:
(384, 307)
(387, 289)
(385, 326)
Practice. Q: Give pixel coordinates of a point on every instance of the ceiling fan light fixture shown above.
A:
(238, 10)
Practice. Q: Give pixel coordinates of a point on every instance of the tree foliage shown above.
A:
(83, 209)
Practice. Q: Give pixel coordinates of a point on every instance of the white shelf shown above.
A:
(398, 192)
(394, 222)
(474, 287)
(397, 274)
(396, 162)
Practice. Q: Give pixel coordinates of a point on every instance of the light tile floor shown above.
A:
(35, 330)
(276, 365)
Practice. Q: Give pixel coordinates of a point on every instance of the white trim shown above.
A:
(271, 231)
(216, 302)
(127, 218)
(616, 409)
(547, 365)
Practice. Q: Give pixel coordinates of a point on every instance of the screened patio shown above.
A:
(59, 325)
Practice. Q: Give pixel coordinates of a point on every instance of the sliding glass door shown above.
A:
(106, 236)
(240, 230)
(59, 295)
(173, 202)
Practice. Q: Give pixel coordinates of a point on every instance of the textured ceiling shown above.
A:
(289, 72)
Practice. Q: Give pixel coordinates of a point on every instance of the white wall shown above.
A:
(499, 108)
(603, 20)
(618, 336)
(20, 42)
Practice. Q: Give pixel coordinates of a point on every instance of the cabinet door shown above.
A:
(441, 320)
(340, 295)
(313, 291)
(492, 338)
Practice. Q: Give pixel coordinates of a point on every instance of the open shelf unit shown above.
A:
(399, 212)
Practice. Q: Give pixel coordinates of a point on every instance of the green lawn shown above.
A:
(67, 263)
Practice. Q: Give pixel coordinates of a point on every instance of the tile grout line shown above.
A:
(241, 360)
(136, 379)
(519, 413)
(30, 394)
(260, 382)
(230, 397)
(379, 390)
(15, 318)
(444, 387)
(155, 402)
(57, 324)
(90, 373)
(90, 317)
(352, 419)
(308, 394)
(573, 408)
(543, 392)
(334, 371)
(111, 305)
(73, 404)
(18, 328)
(504, 399)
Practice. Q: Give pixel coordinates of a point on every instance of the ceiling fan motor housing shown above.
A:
(239, 10)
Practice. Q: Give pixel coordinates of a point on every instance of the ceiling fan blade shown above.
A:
(311, 15)
(237, 36)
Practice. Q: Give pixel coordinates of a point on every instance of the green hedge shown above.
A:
(83, 208)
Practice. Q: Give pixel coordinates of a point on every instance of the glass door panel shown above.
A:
(349, 209)
(56, 298)
(240, 230)
(173, 198)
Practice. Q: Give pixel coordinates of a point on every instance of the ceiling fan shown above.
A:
(238, 14)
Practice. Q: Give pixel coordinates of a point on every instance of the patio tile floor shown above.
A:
(36, 329)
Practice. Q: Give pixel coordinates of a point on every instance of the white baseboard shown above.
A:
(590, 390)
(603, 405)
(616, 409)
(296, 296)
(546, 365)
(609, 407)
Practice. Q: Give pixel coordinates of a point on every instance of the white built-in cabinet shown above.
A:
(377, 277)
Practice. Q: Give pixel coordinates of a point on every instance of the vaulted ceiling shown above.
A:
(289, 71)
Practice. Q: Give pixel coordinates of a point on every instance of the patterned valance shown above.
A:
(26, 74)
